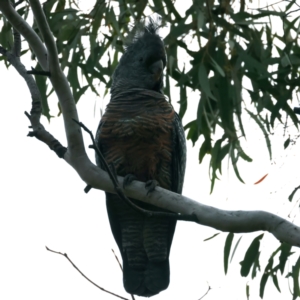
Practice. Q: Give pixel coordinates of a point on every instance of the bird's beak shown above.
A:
(156, 69)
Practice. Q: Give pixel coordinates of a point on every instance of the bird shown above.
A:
(142, 136)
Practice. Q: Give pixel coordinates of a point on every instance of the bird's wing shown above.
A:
(178, 155)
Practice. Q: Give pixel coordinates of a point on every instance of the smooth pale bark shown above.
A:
(231, 221)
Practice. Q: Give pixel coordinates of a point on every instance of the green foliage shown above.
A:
(227, 247)
(271, 271)
(225, 47)
(213, 236)
(295, 276)
(247, 291)
(42, 84)
(212, 49)
(259, 122)
(251, 258)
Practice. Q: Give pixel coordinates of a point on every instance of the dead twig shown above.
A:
(116, 257)
(209, 288)
(99, 287)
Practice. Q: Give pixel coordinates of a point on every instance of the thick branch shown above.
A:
(26, 31)
(38, 129)
(49, 63)
(232, 221)
(60, 85)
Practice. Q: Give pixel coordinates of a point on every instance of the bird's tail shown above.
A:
(147, 282)
(144, 244)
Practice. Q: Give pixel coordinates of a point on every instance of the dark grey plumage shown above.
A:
(142, 135)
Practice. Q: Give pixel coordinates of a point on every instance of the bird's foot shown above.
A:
(113, 170)
(151, 185)
(128, 179)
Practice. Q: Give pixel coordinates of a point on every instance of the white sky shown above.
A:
(42, 203)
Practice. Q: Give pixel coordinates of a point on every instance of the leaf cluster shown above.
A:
(222, 48)
(251, 261)
(227, 55)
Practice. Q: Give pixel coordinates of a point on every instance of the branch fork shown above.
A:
(75, 155)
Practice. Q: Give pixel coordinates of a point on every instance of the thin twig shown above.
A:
(290, 2)
(38, 129)
(209, 14)
(267, 6)
(242, 7)
(209, 288)
(99, 287)
(292, 11)
(116, 257)
(120, 193)
(18, 3)
(37, 72)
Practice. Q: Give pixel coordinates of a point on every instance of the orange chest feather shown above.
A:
(137, 138)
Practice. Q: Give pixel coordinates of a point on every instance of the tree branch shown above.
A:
(117, 260)
(60, 85)
(230, 221)
(38, 129)
(208, 289)
(26, 31)
(49, 62)
(92, 282)
(116, 257)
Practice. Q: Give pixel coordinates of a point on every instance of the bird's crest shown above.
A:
(140, 29)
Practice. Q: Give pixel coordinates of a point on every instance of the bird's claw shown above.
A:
(151, 185)
(128, 180)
